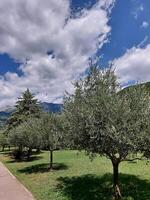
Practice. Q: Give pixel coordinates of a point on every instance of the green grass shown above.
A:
(77, 178)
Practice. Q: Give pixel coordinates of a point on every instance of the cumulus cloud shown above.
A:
(134, 65)
(53, 46)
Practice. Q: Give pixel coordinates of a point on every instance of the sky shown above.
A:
(46, 45)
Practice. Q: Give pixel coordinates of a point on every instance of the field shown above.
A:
(75, 177)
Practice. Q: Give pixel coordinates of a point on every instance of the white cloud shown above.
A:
(31, 26)
(134, 65)
(145, 24)
(36, 27)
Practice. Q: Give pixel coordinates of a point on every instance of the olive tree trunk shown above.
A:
(38, 150)
(117, 192)
(51, 159)
(29, 152)
(3, 148)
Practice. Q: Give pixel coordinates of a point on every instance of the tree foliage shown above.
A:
(51, 131)
(3, 139)
(38, 133)
(101, 120)
(26, 135)
(26, 107)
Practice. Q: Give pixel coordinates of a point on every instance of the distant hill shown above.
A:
(51, 107)
(146, 86)
(3, 117)
(47, 107)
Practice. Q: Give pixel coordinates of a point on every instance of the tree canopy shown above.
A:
(44, 132)
(101, 120)
(51, 131)
(3, 139)
(26, 107)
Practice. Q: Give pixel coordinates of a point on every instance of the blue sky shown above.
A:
(127, 31)
(116, 31)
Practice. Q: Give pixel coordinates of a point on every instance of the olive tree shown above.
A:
(101, 119)
(36, 133)
(51, 131)
(26, 135)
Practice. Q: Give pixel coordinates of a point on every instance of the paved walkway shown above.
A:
(11, 188)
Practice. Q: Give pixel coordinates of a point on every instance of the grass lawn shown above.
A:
(77, 178)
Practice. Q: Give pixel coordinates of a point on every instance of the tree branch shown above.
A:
(133, 159)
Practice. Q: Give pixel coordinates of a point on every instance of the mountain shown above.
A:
(51, 107)
(3, 117)
(146, 87)
(47, 107)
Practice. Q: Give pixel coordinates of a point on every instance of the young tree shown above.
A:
(26, 107)
(26, 135)
(51, 131)
(101, 120)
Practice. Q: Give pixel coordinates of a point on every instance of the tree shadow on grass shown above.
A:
(92, 187)
(41, 168)
(32, 158)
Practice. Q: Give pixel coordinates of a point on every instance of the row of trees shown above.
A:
(37, 133)
(98, 118)
(30, 128)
